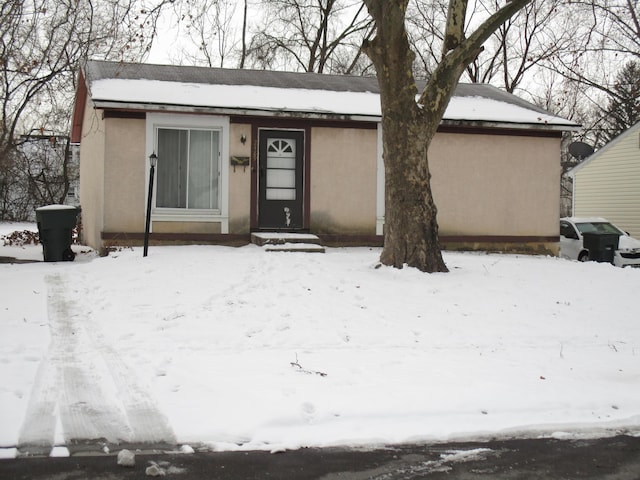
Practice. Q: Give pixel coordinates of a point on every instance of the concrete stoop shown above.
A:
(287, 242)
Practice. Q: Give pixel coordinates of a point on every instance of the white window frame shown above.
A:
(185, 121)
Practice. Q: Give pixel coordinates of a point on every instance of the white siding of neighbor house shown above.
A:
(608, 184)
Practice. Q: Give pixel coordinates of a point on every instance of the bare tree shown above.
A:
(614, 26)
(425, 24)
(210, 26)
(411, 228)
(511, 56)
(310, 35)
(606, 36)
(12, 201)
(41, 46)
(522, 44)
(243, 54)
(623, 108)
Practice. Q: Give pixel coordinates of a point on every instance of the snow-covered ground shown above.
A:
(237, 348)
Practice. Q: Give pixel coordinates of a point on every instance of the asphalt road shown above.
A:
(616, 458)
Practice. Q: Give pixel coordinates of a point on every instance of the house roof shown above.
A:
(260, 92)
(630, 131)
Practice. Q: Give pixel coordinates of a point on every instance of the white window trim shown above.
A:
(172, 120)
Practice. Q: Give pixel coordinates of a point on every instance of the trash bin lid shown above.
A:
(55, 207)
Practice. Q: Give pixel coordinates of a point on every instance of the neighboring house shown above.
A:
(242, 151)
(607, 184)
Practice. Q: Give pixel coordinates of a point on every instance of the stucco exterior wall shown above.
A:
(496, 185)
(343, 181)
(124, 175)
(186, 227)
(92, 147)
(484, 185)
(609, 185)
(240, 180)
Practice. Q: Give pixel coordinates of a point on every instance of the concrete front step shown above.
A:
(278, 238)
(287, 242)
(295, 247)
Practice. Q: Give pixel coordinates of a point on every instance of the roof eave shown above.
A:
(156, 107)
(556, 127)
(571, 173)
(630, 131)
(317, 115)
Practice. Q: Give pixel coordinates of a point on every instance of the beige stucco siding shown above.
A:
(496, 185)
(92, 146)
(114, 170)
(609, 185)
(484, 185)
(186, 227)
(124, 174)
(343, 180)
(239, 180)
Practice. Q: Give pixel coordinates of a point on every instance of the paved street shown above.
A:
(611, 458)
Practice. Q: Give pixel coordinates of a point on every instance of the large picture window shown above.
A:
(188, 173)
(192, 174)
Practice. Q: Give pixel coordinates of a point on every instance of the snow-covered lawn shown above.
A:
(237, 348)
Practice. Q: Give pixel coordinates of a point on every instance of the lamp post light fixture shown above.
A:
(153, 161)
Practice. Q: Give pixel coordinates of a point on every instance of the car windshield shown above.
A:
(597, 227)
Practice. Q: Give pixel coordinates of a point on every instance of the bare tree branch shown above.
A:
(310, 35)
(42, 44)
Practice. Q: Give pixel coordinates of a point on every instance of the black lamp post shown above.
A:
(153, 161)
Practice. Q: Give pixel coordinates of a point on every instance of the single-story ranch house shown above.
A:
(243, 151)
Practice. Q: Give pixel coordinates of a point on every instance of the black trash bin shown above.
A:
(55, 227)
(601, 246)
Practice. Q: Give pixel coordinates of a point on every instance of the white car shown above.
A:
(571, 240)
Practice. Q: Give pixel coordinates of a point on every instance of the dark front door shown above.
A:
(280, 184)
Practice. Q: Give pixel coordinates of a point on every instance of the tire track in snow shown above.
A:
(37, 434)
(147, 423)
(84, 381)
(87, 411)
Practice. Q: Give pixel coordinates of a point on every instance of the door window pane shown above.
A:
(281, 162)
(281, 194)
(281, 179)
(281, 169)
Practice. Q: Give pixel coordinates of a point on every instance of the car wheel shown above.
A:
(583, 257)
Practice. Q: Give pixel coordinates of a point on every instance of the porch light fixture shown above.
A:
(153, 161)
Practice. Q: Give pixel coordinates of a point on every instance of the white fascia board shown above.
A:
(170, 108)
(191, 109)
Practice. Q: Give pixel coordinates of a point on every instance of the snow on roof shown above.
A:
(241, 97)
(227, 90)
(487, 109)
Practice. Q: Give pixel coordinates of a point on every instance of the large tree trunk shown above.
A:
(411, 228)
(408, 126)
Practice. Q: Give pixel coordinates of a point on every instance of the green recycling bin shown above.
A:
(55, 227)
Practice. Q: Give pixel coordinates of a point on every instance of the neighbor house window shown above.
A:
(188, 173)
